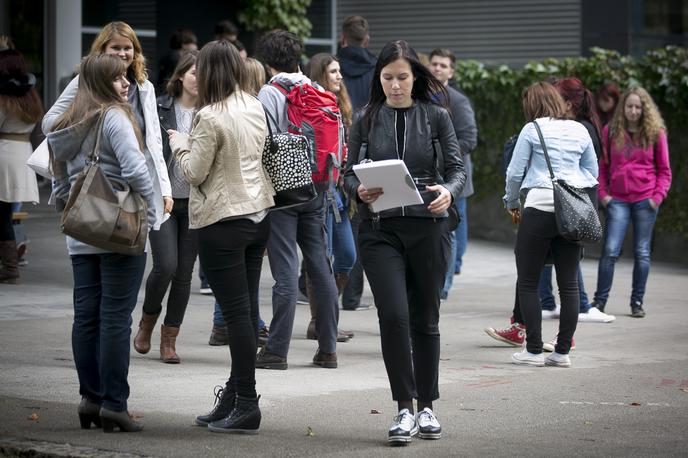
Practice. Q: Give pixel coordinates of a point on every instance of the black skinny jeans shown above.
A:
(405, 260)
(174, 248)
(231, 253)
(6, 229)
(537, 233)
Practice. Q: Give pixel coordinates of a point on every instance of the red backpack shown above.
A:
(314, 114)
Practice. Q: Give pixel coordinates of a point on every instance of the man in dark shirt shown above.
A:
(357, 66)
(356, 62)
(442, 63)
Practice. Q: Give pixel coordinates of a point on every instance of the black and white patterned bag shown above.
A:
(576, 215)
(286, 158)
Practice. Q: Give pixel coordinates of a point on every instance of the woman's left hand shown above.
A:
(169, 203)
(442, 202)
(171, 133)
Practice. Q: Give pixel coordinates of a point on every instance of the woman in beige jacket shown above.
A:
(228, 204)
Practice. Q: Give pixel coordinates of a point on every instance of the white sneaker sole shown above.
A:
(549, 362)
(491, 332)
(430, 436)
(402, 440)
(527, 362)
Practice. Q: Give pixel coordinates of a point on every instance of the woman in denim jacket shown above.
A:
(635, 177)
(573, 159)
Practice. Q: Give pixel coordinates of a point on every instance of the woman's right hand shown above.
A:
(368, 196)
(515, 215)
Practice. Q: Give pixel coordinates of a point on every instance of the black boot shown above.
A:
(244, 419)
(225, 398)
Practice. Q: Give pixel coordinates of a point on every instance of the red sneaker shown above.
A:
(514, 335)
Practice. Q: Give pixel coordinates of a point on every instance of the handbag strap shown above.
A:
(544, 149)
(93, 157)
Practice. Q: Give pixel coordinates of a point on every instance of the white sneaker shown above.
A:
(594, 315)
(549, 346)
(528, 359)
(557, 360)
(551, 314)
(428, 425)
(403, 428)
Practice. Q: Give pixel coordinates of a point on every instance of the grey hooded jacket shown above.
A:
(119, 156)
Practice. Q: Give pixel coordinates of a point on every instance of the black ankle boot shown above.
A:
(244, 419)
(89, 412)
(225, 398)
(122, 420)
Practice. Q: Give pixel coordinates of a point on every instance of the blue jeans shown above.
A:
(303, 225)
(547, 297)
(459, 241)
(461, 234)
(340, 238)
(220, 322)
(618, 215)
(105, 290)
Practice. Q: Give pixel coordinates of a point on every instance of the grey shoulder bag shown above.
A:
(105, 213)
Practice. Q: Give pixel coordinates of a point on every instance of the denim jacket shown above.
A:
(570, 150)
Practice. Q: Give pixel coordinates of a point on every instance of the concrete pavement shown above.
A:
(626, 394)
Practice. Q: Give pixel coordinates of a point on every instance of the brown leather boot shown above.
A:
(341, 279)
(311, 334)
(142, 341)
(9, 272)
(168, 339)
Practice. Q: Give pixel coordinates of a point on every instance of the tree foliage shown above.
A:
(264, 15)
(496, 96)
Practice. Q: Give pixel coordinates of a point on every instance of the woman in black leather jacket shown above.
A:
(405, 250)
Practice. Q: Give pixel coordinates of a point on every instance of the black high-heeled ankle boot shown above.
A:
(89, 412)
(122, 420)
(244, 419)
(225, 399)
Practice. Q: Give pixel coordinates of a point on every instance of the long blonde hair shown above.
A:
(650, 124)
(96, 92)
(138, 65)
(255, 72)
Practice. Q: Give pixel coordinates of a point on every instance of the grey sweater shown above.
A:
(120, 158)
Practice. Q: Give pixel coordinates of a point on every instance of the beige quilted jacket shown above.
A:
(221, 160)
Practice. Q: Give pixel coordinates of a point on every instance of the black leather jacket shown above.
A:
(168, 120)
(441, 164)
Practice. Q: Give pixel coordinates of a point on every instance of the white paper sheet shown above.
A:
(395, 180)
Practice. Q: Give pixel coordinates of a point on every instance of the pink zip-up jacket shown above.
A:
(633, 173)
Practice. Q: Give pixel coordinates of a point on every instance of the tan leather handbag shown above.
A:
(103, 212)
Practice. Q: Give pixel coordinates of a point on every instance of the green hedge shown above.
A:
(496, 96)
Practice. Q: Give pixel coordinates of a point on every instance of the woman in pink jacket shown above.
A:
(634, 180)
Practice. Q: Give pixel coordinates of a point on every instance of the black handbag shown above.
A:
(577, 218)
(104, 212)
(286, 158)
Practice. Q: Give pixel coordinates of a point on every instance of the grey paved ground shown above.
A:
(626, 394)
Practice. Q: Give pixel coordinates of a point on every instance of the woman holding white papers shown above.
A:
(405, 250)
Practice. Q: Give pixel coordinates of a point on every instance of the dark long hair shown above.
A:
(581, 100)
(426, 88)
(18, 97)
(219, 71)
(317, 71)
(175, 87)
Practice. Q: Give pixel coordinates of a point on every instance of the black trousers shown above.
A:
(231, 253)
(6, 229)
(405, 260)
(537, 234)
(174, 248)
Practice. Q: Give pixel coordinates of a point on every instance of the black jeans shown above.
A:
(105, 290)
(537, 233)
(174, 248)
(405, 260)
(6, 229)
(231, 253)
